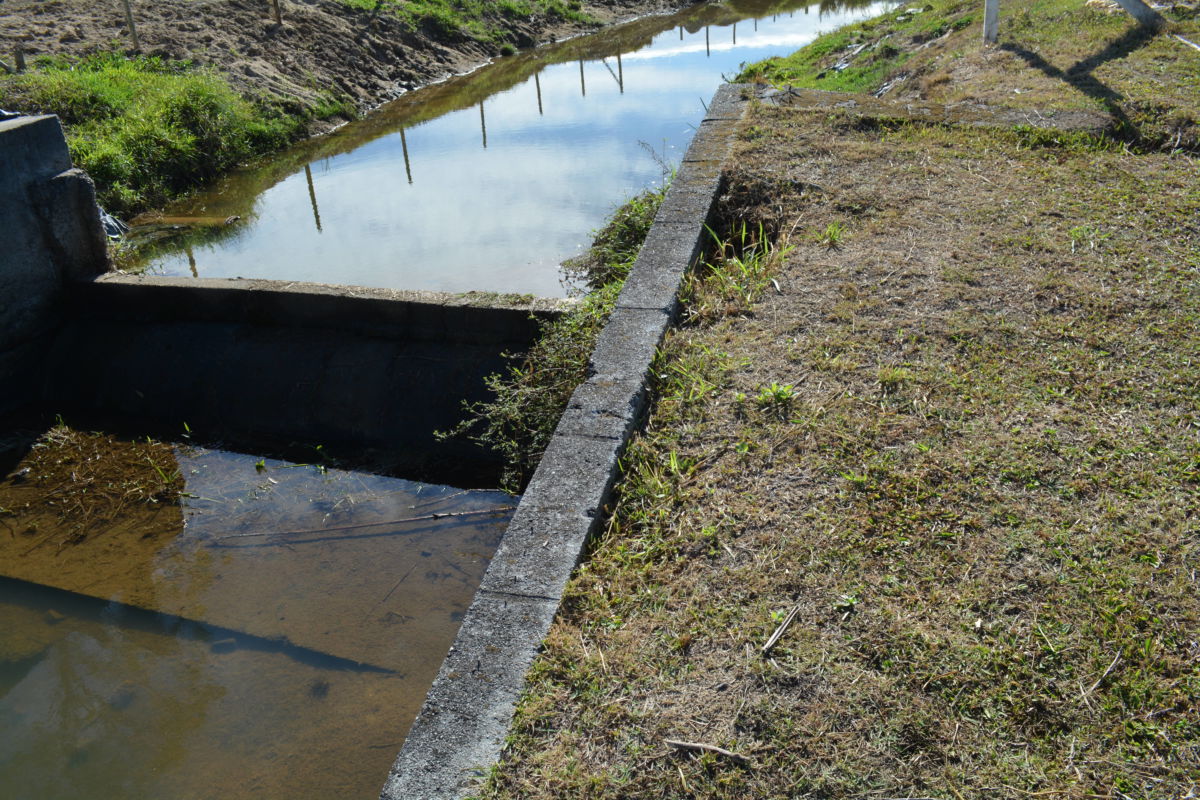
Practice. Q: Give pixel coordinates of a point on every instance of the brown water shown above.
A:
(273, 636)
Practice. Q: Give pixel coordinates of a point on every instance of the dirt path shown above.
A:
(322, 46)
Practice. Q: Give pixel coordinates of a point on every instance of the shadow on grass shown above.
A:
(1080, 75)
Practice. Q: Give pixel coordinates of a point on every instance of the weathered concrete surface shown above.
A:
(470, 318)
(52, 234)
(460, 731)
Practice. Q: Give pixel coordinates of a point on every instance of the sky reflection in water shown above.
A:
(499, 217)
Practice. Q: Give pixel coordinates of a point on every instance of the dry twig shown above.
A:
(708, 748)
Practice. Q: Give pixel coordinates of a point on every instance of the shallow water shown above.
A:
(489, 181)
(274, 637)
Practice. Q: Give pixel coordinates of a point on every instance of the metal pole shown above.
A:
(483, 125)
(991, 20)
(132, 28)
(620, 74)
(582, 85)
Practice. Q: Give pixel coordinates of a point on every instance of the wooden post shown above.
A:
(404, 146)
(278, 15)
(483, 125)
(19, 58)
(991, 21)
(137, 46)
(537, 83)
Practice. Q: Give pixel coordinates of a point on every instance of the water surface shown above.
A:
(489, 181)
(272, 637)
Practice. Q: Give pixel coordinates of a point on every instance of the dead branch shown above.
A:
(708, 748)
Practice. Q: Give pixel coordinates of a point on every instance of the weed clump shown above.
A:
(531, 395)
(147, 129)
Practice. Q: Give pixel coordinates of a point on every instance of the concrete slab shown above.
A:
(576, 475)
(670, 250)
(539, 552)
(605, 406)
(629, 341)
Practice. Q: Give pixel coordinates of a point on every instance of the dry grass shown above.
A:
(961, 441)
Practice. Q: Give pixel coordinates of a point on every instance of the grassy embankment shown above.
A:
(148, 130)
(947, 426)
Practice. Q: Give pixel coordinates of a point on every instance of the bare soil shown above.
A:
(322, 47)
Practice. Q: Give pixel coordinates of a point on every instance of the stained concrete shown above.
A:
(52, 235)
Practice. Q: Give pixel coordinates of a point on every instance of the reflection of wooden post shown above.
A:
(132, 28)
(735, 34)
(681, 33)
(537, 82)
(191, 260)
(620, 74)
(483, 125)
(275, 8)
(991, 20)
(404, 147)
(582, 85)
(312, 195)
(707, 49)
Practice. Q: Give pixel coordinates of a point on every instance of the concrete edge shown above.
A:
(472, 317)
(461, 729)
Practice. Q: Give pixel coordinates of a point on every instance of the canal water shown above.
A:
(487, 181)
(273, 635)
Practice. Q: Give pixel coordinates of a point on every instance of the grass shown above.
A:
(960, 446)
(530, 397)
(146, 129)
(485, 22)
(1051, 53)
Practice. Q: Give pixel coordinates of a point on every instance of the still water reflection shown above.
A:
(489, 181)
(272, 638)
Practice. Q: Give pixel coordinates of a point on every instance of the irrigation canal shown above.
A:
(488, 181)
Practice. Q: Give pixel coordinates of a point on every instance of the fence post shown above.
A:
(278, 15)
(137, 46)
(19, 58)
(991, 20)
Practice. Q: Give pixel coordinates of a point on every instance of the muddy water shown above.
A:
(488, 181)
(271, 636)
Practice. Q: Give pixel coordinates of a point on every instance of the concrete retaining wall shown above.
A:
(51, 235)
(367, 374)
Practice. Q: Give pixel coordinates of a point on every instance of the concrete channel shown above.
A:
(357, 365)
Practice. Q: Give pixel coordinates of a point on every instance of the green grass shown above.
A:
(482, 21)
(146, 129)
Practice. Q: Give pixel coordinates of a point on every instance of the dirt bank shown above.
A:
(322, 47)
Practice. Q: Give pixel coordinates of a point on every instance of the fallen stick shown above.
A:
(708, 748)
(778, 634)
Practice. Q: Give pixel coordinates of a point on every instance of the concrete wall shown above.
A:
(50, 234)
(368, 374)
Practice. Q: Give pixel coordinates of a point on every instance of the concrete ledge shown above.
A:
(470, 318)
(461, 729)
